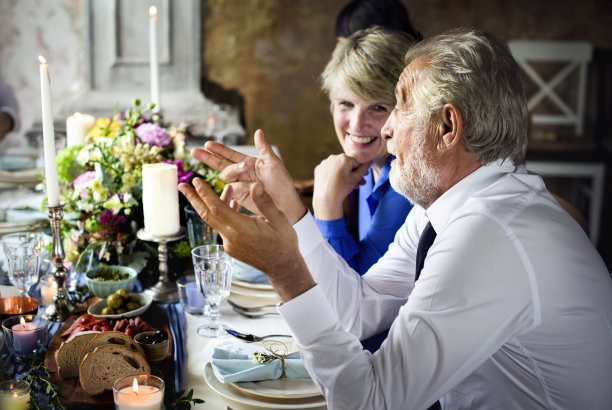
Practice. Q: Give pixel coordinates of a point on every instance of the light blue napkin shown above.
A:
(246, 273)
(237, 367)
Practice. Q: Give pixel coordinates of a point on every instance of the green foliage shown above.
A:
(182, 401)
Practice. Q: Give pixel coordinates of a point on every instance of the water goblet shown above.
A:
(23, 252)
(213, 271)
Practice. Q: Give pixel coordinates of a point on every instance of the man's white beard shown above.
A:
(417, 180)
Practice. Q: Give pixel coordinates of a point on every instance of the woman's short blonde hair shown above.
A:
(368, 63)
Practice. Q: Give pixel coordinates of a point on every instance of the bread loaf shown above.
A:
(107, 363)
(67, 355)
(112, 337)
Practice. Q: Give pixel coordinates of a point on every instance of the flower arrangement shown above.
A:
(100, 183)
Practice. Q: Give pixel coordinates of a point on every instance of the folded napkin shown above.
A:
(238, 367)
(246, 273)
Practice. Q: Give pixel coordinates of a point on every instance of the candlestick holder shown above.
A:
(157, 117)
(61, 307)
(164, 290)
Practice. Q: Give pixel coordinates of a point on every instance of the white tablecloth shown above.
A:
(193, 370)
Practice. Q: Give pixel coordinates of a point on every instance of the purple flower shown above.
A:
(111, 223)
(153, 134)
(183, 176)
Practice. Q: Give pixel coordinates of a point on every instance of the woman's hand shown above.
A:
(334, 178)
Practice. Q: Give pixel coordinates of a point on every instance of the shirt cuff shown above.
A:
(309, 235)
(309, 315)
(332, 229)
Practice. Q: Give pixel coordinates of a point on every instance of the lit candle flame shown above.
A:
(135, 386)
(22, 321)
(42, 59)
(153, 11)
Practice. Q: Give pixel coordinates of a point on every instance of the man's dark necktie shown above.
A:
(427, 238)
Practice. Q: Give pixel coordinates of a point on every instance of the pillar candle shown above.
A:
(153, 63)
(77, 127)
(48, 135)
(160, 199)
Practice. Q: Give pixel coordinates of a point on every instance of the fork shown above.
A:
(249, 337)
(254, 314)
(253, 309)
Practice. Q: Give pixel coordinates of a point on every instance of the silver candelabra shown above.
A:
(61, 307)
(164, 290)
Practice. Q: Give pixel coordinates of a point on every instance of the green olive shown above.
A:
(132, 306)
(108, 311)
(124, 293)
(114, 301)
(121, 311)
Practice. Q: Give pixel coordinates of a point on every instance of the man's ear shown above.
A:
(450, 128)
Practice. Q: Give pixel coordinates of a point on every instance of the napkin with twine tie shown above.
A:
(238, 367)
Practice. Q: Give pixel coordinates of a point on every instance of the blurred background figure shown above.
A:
(361, 14)
(9, 109)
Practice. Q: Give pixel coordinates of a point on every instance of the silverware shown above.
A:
(253, 309)
(254, 314)
(248, 337)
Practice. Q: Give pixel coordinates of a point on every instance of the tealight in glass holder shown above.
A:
(14, 395)
(25, 334)
(143, 391)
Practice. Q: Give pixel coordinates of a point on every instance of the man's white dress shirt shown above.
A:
(512, 310)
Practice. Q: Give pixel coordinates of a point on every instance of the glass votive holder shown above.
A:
(192, 299)
(14, 395)
(142, 392)
(25, 334)
(198, 231)
(48, 288)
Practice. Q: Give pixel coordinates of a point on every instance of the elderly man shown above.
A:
(512, 305)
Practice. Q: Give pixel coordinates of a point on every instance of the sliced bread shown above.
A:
(67, 355)
(107, 363)
(110, 337)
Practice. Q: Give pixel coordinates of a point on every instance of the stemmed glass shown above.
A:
(213, 272)
(23, 251)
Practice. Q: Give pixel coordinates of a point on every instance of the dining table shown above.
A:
(192, 351)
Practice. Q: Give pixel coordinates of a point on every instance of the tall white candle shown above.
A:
(48, 135)
(154, 67)
(77, 127)
(160, 199)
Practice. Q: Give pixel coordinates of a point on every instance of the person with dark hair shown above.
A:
(361, 14)
(496, 297)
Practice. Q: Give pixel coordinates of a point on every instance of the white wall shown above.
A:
(54, 29)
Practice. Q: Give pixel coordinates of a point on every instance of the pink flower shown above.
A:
(153, 134)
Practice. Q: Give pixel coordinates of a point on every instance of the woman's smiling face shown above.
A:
(358, 123)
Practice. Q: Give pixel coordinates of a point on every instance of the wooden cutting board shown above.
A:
(74, 395)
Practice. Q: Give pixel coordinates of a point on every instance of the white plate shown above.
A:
(255, 286)
(229, 392)
(145, 300)
(256, 293)
(13, 227)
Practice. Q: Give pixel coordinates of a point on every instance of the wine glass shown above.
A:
(213, 272)
(23, 252)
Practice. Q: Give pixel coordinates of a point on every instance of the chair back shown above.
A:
(568, 57)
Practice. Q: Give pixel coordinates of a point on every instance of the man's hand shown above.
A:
(335, 178)
(267, 241)
(242, 171)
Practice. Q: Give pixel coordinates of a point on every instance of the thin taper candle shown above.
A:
(48, 135)
(154, 66)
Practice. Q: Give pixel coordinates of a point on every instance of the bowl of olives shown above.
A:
(103, 281)
(121, 304)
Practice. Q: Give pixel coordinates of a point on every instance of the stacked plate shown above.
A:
(250, 282)
(18, 171)
(268, 394)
